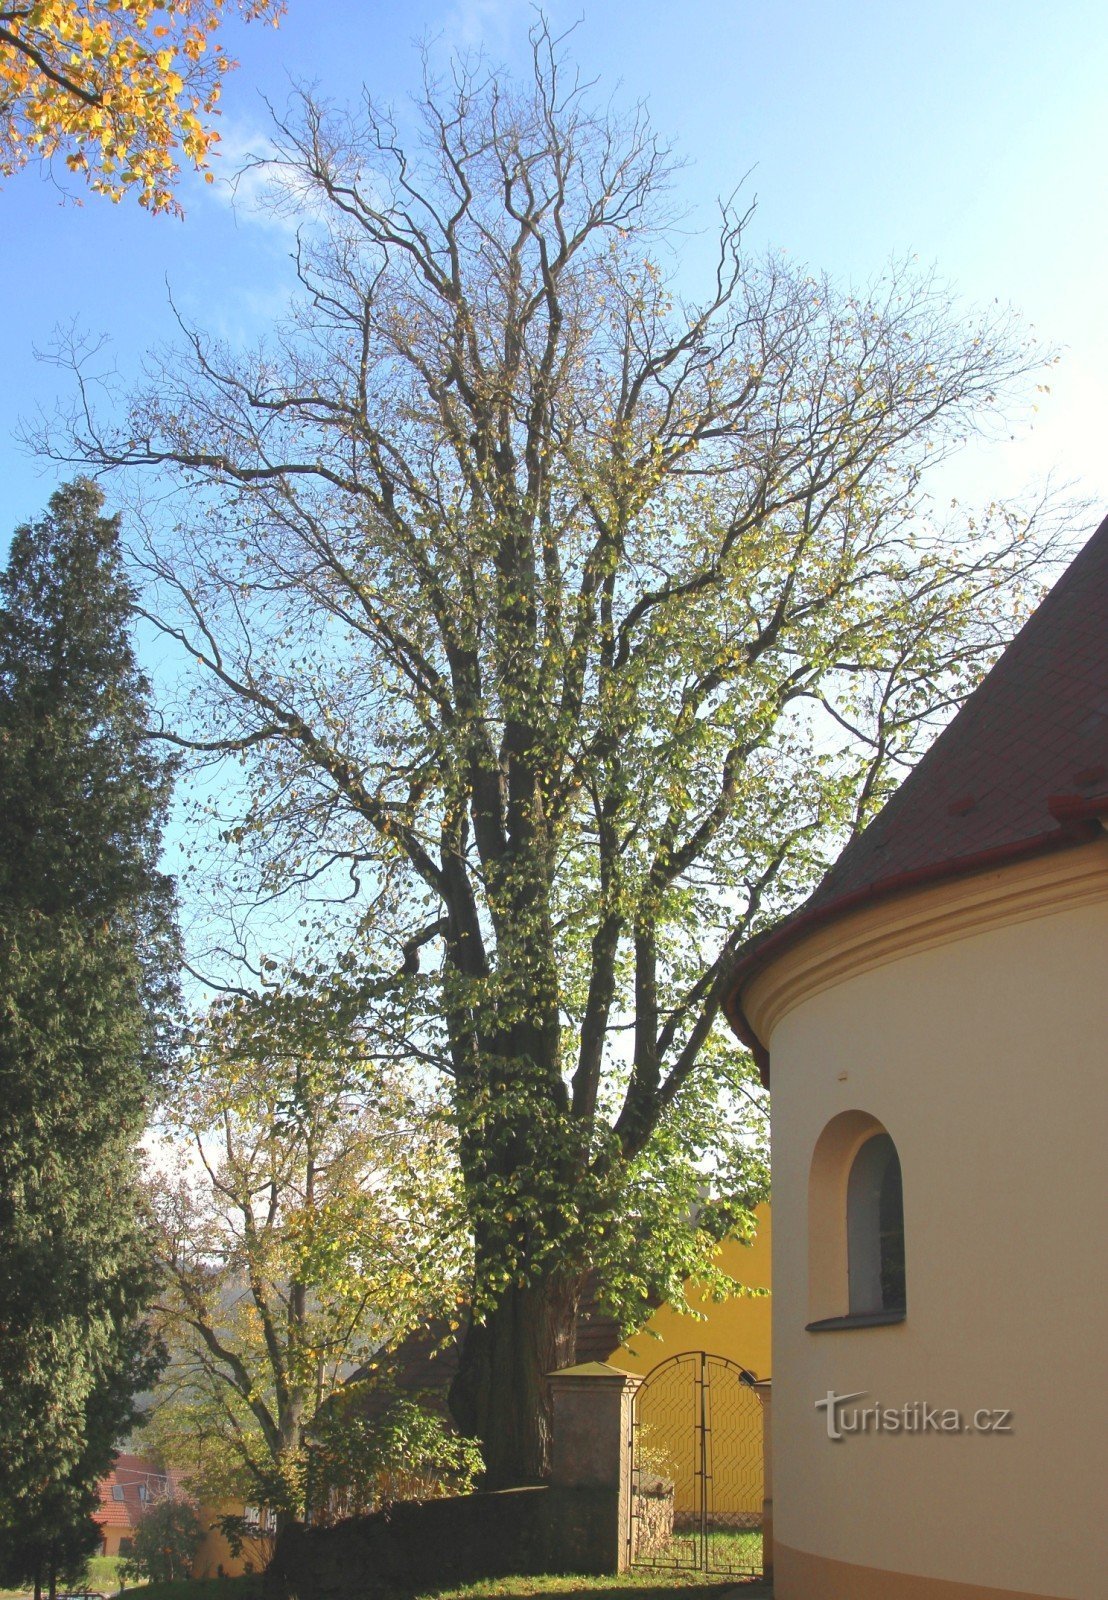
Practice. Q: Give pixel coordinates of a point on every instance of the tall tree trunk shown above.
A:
(500, 1394)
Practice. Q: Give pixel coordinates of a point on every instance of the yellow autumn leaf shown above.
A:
(118, 87)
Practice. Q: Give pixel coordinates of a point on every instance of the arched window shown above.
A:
(875, 1229)
(855, 1226)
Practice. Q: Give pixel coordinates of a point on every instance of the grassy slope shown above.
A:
(555, 1586)
(105, 1573)
(244, 1588)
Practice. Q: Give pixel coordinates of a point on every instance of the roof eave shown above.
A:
(1078, 820)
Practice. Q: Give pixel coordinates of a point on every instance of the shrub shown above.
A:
(165, 1543)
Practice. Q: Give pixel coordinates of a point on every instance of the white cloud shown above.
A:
(470, 24)
(251, 180)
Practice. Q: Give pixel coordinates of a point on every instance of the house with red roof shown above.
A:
(934, 1023)
(133, 1484)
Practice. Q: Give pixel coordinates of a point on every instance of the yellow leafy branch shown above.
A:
(125, 89)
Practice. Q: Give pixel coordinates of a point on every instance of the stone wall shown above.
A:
(413, 1545)
(578, 1523)
(651, 1515)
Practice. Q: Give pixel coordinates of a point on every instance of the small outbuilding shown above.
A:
(936, 1020)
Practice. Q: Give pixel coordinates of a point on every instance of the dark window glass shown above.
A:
(875, 1229)
(893, 1286)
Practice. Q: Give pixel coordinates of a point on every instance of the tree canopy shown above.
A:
(318, 1223)
(563, 625)
(87, 1001)
(127, 89)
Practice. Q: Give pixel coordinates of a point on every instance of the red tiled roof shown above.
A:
(111, 1515)
(1015, 772)
(130, 1474)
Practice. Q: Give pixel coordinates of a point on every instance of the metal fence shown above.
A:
(697, 1468)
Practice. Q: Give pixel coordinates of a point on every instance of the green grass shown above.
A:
(105, 1573)
(735, 1554)
(560, 1586)
(244, 1588)
(638, 1585)
(248, 1587)
(552, 1586)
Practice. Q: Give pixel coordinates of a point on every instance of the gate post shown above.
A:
(590, 1470)
(764, 1391)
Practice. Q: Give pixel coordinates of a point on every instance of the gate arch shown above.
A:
(697, 1469)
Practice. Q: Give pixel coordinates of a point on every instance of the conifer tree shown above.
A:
(87, 996)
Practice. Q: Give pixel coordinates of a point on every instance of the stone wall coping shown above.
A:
(596, 1372)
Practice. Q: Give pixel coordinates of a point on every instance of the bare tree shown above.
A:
(579, 621)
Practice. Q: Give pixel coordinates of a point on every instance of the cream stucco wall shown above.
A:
(972, 1022)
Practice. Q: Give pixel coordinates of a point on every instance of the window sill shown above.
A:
(861, 1319)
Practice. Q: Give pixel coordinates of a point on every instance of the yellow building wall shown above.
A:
(213, 1556)
(972, 1022)
(738, 1328)
(111, 1538)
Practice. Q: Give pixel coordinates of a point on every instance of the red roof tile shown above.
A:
(121, 1499)
(1021, 763)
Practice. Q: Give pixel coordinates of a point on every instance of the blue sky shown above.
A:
(974, 135)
